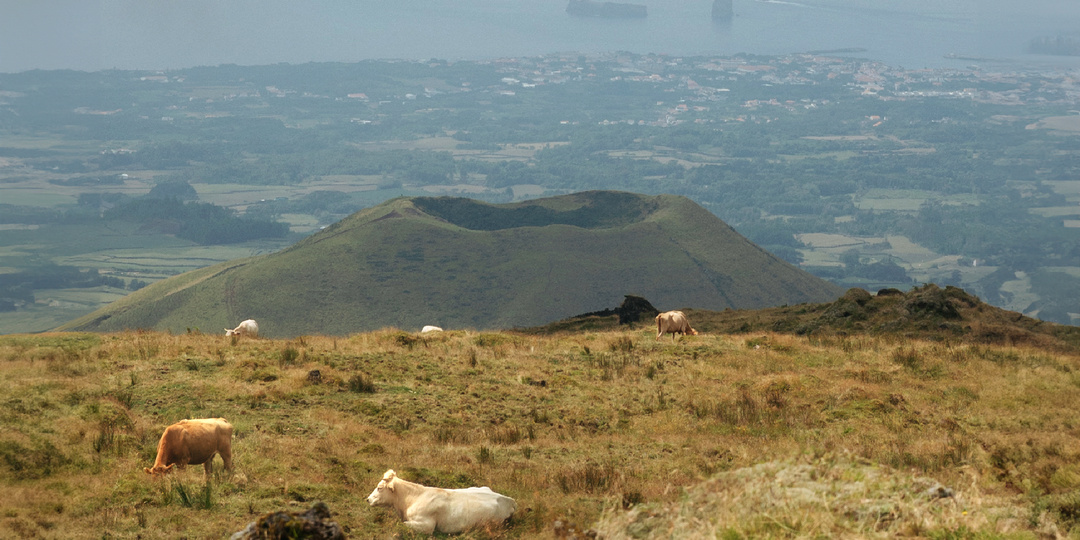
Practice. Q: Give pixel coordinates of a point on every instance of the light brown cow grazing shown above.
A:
(191, 442)
(674, 322)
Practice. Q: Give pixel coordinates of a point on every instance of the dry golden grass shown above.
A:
(736, 435)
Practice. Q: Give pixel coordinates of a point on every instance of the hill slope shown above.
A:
(760, 435)
(460, 263)
(927, 312)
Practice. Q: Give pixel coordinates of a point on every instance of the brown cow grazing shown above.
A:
(191, 442)
(673, 322)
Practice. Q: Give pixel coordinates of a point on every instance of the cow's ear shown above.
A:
(169, 468)
(148, 471)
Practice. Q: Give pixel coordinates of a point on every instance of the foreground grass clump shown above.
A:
(824, 497)
(738, 435)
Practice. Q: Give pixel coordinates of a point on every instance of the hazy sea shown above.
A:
(141, 34)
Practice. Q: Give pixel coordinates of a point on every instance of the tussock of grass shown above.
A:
(822, 497)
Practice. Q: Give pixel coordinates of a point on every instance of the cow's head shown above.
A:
(230, 332)
(158, 470)
(383, 493)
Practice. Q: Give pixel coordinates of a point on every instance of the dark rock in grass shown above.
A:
(313, 524)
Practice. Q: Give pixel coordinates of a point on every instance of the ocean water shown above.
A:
(152, 34)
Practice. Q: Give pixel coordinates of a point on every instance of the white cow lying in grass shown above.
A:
(428, 509)
(247, 328)
(430, 328)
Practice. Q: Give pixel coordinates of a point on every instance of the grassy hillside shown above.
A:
(460, 263)
(741, 435)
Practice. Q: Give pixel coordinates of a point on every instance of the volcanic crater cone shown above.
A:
(462, 263)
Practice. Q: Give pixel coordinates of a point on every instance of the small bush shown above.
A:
(451, 435)
(492, 340)
(289, 356)
(361, 384)
(540, 416)
(589, 478)
(405, 339)
(1067, 508)
(109, 430)
(505, 434)
(124, 396)
(264, 375)
(622, 344)
(200, 500)
(907, 357)
(41, 461)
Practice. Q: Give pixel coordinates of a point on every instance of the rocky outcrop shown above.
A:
(632, 310)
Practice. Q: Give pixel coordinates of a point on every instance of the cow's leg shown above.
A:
(226, 456)
(208, 467)
(425, 525)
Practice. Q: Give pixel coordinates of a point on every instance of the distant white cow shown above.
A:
(673, 322)
(247, 328)
(428, 509)
(430, 328)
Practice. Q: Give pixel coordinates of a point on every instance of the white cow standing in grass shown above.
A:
(673, 322)
(429, 509)
(247, 328)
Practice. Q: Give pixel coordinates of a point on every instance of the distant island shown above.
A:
(954, 56)
(721, 10)
(838, 51)
(606, 10)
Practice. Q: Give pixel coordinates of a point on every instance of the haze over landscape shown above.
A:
(131, 34)
(868, 212)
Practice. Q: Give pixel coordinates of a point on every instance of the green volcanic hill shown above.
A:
(461, 263)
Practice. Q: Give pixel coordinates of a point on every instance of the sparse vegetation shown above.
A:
(758, 434)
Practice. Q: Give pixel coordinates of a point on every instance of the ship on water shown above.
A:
(722, 10)
(606, 10)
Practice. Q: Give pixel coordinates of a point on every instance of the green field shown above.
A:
(53, 308)
(165, 261)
